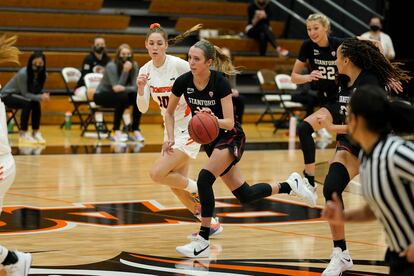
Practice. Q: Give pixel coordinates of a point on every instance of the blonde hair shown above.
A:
(221, 61)
(323, 19)
(156, 28)
(8, 52)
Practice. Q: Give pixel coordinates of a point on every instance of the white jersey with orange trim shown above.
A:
(159, 86)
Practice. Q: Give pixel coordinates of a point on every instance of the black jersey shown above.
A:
(324, 60)
(345, 92)
(217, 88)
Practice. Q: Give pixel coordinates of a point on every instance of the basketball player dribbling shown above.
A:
(207, 90)
(155, 79)
(13, 262)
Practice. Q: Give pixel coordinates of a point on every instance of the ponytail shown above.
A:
(156, 28)
(382, 115)
(8, 53)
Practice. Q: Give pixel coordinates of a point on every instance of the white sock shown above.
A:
(191, 186)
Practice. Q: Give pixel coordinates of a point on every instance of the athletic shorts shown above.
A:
(333, 108)
(234, 140)
(343, 143)
(184, 143)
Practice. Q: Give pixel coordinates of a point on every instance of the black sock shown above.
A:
(11, 258)
(204, 232)
(310, 178)
(284, 188)
(341, 244)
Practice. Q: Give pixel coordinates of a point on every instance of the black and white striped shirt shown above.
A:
(387, 178)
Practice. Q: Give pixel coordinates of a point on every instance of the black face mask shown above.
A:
(36, 69)
(125, 59)
(98, 50)
(375, 28)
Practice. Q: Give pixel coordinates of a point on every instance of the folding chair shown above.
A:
(92, 80)
(11, 117)
(71, 77)
(285, 87)
(267, 85)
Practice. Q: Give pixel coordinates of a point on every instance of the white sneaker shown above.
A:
(299, 188)
(119, 137)
(340, 262)
(26, 138)
(197, 248)
(138, 136)
(39, 138)
(324, 134)
(310, 187)
(22, 267)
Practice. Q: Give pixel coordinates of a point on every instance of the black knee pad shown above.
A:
(247, 194)
(307, 143)
(205, 183)
(336, 180)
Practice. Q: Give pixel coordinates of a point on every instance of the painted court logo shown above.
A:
(142, 213)
(126, 264)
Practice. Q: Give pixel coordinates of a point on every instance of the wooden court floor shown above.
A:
(100, 214)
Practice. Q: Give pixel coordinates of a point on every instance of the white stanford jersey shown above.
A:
(159, 86)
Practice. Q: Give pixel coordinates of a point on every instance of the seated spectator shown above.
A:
(118, 89)
(238, 100)
(94, 62)
(375, 33)
(25, 91)
(259, 13)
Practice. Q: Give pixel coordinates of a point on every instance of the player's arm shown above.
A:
(228, 116)
(299, 78)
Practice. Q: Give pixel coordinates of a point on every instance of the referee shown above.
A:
(386, 173)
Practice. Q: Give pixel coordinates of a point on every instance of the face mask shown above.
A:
(36, 69)
(375, 28)
(125, 59)
(98, 50)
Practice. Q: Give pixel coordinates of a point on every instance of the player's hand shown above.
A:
(315, 75)
(395, 86)
(408, 253)
(324, 122)
(333, 211)
(1, 172)
(118, 88)
(206, 110)
(142, 80)
(167, 147)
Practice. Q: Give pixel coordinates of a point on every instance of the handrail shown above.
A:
(362, 5)
(289, 11)
(334, 23)
(336, 6)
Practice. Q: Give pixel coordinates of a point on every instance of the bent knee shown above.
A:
(157, 175)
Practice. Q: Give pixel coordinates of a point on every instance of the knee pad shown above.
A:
(205, 183)
(336, 180)
(305, 131)
(247, 194)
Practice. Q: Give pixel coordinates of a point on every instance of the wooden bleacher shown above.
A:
(197, 7)
(79, 21)
(63, 20)
(54, 4)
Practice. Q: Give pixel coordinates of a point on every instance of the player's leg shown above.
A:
(343, 168)
(305, 130)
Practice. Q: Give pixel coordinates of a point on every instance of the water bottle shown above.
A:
(10, 126)
(68, 120)
(292, 127)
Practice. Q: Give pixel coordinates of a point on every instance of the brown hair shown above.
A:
(8, 52)
(156, 28)
(221, 61)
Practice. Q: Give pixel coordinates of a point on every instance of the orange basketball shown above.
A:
(203, 128)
